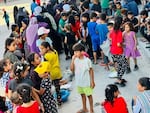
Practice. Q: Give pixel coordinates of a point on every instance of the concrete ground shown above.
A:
(101, 76)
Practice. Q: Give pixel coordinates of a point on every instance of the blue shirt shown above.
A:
(102, 31)
(33, 5)
(92, 29)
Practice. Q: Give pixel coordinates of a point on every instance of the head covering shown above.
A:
(66, 7)
(42, 68)
(37, 11)
(43, 30)
(31, 34)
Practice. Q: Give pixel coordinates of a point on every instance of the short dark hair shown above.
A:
(144, 12)
(145, 82)
(110, 24)
(78, 47)
(13, 27)
(64, 14)
(93, 15)
(130, 13)
(102, 16)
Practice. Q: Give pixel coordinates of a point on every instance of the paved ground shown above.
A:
(101, 78)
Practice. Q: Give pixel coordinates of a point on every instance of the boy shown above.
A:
(84, 75)
(94, 36)
(102, 31)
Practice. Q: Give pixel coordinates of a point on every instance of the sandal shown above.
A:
(82, 111)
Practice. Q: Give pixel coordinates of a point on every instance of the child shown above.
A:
(61, 30)
(21, 72)
(24, 91)
(130, 42)
(141, 103)
(133, 20)
(43, 33)
(14, 31)
(69, 38)
(3, 107)
(85, 34)
(102, 31)
(6, 17)
(118, 9)
(51, 56)
(34, 60)
(16, 101)
(43, 70)
(116, 50)
(84, 75)
(10, 47)
(94, 36)
(113, 103)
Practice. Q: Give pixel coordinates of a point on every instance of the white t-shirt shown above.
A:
(82, 67)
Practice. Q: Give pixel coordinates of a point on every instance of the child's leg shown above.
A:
(57, 88)
(83, 96)
(91, 103)
(95, 57)
(135, 66)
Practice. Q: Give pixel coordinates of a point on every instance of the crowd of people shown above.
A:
(92, 30)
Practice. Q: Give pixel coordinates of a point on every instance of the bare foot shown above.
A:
(83, 111)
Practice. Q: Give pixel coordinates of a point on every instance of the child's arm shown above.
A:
(36, 97)
(65, 41)
(40, 92)
(72, 63)
(92, 84)
(135, 41)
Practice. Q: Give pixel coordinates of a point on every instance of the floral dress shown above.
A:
(47, 98)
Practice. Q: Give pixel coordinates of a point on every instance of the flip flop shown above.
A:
(81, 111)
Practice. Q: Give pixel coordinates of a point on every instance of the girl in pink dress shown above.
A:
(130, 43)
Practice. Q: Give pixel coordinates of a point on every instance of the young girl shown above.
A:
(21, 72)
(34, 60)
(16, 101)
(116, 50)
(141, 103)
(24, 91)
(113, 103)
(10, 47)
(69, 38)
(130, 42)
(47, 98)
(51, 56)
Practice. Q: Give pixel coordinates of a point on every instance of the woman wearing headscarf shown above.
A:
(31, 35)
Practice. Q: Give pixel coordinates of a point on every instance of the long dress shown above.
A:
(47, 98)
(130, 44)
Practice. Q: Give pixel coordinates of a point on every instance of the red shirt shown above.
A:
(76, 28)
(34, 108)
(116, 37)
(119, 106)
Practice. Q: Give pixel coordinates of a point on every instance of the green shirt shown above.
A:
(62, 24)
(104, 3)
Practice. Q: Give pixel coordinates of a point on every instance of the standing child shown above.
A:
(94, 36)
(47, 98)
(84, 76)
(6, 17)
(113, 103)
(130, 42)
(34, 60)
(69, 38)
(24, 91)
(51, 56)
(116, 50)
(10, 47)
